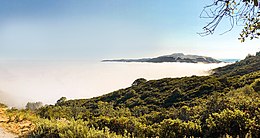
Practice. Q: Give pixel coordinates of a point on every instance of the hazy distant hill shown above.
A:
(176, 57)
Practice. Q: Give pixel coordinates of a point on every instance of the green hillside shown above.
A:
(248, 65)
(224, 104)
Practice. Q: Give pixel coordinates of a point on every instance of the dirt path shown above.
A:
(4, 134)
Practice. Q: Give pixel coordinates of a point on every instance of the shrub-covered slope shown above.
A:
(248, 65)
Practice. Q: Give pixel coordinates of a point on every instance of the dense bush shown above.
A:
(177, 128)
(69, 129)
(234, 123)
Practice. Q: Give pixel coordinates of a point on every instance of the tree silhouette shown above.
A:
(238, 12)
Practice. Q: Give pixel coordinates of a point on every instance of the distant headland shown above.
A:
(176, 57)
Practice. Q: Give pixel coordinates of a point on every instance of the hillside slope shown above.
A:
(248, 65)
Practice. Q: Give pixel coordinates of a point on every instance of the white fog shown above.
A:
(46, 81)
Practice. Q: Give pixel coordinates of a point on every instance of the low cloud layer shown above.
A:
(47, 81)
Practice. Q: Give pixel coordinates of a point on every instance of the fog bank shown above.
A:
(47, 81)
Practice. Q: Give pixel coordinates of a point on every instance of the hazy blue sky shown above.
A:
(98, 29)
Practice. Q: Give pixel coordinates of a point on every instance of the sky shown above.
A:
(105, 29)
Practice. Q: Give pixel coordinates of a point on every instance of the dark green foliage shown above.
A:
(61, 100)
(139, 81)
(174, 97)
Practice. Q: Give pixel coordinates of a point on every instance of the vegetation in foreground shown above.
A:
(224, 104)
